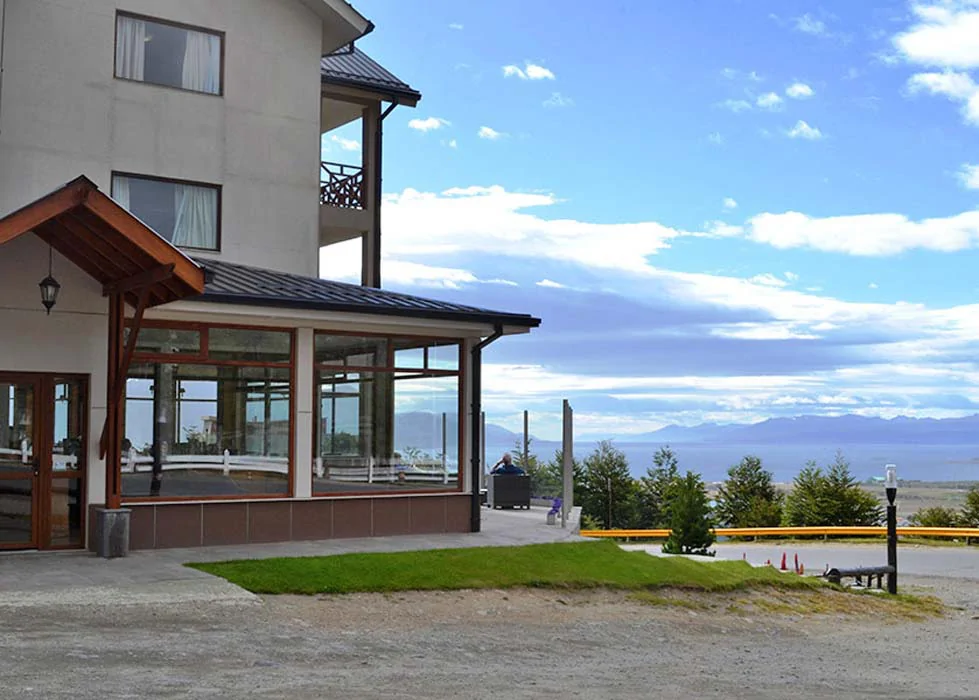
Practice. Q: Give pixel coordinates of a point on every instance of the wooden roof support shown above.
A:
(140, 281)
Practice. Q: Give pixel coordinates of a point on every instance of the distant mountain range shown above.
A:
(838, 430)
(423, 429)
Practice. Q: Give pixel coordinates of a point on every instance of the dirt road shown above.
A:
(486, 644)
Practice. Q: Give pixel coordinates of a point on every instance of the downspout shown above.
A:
(375, 262)
(477, 409)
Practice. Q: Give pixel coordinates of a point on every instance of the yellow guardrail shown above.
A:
(953, 532)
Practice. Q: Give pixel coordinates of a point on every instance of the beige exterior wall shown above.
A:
(63, 114)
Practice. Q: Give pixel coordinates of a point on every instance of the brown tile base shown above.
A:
(244, 522)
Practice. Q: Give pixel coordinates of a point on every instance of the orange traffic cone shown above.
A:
(802, 569)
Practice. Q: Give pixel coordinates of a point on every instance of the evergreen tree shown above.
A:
(690, 518)
(610, 492)
(833, 498)
(748, 498)
(657, 489)
(970, 511)
(555, 473)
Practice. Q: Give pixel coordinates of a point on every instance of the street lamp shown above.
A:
(890, 488)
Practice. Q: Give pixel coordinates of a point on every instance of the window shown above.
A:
(387, 414)
(186, 214)
(212, 425)
(165, 53)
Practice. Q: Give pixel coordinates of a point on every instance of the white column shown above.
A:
(302, 449)
(466, 448)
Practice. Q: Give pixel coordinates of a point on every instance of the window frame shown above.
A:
(222, 36)
(176, 181)
(203, 359)
(390, 368)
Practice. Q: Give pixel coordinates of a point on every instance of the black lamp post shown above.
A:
(890, 488)
(49, 287)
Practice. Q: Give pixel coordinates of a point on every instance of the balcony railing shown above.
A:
(342, 185)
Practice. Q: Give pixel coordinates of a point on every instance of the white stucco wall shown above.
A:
(63, 114)
(73, 339)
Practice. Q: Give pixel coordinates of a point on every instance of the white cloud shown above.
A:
(865, 234)
(736, 106)
(969, 176)
(346, 144)
(769, 280)
(872, 285)
(552, 284)
(729, 203)
(715, 138)
(456, 25)
(530, 71)
(802, 130)
(799, 91)
(486, 132)
(428, 124)
(453, 143)
(735, 74)
(558, 100)
(791, 276)
(769, 100)
(946, 35)
(958, 87)
(810, 25)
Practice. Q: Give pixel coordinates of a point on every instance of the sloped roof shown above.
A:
(230, 283)
(352, 67)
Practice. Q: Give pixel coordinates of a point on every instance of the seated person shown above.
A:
(506, 466)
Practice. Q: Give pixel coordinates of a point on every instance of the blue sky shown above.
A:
(766, 209)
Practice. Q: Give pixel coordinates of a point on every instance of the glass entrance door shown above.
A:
(18, 467)
(42, 461)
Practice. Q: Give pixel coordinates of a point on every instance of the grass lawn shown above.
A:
(575, 565)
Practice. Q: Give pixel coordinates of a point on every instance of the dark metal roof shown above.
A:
(230, 283)
(351, 66)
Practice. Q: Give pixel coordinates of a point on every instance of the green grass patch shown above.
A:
(575, 565)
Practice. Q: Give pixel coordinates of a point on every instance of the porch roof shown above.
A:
(231, 283)
(352, 67)
(110, 244)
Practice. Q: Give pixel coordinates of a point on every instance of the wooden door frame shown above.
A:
(43, 475)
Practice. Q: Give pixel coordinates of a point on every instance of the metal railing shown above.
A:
(829, 531)
(342, 185)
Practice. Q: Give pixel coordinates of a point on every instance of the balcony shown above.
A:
(342, 186)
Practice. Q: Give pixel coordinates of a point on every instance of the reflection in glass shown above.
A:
(249, 345)
(350, 350)
(16, 503)
(386, 431)
(168, 341)
(16, 428)
(66, 512)
(69, 425)
(205, 430)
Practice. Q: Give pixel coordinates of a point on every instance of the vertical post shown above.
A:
(113, 426)
(445, 463)
(482, 446)
(526, 440)
(890, 488)
(567, 500)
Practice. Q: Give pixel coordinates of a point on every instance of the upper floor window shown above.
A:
(165, 53)
(186, 214)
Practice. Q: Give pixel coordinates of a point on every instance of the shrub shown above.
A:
(690, 518)
(936, 516)
(833, 498)
(748, 498)
(970, 511)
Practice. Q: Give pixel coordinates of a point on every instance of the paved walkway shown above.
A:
(75, 578)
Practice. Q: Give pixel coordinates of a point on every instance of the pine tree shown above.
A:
(610, 492)
(690, 519)
(657, 489)
(830, 498)
(970, 511)
(748, 498)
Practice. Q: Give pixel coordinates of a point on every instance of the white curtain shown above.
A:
(130, 48)
(197, 216)
(120, 191)
(202, 63)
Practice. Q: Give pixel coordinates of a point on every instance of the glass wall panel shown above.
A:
(206, 430)
(352, 351)
(249, 345)
(69, 425)
(386, 431)
(444, 357)
(16, 506)
(168, 341)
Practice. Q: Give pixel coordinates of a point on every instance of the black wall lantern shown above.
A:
(49, 286)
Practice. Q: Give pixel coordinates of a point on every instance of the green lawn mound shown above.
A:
(577, 565)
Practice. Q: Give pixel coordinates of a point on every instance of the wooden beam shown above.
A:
(140, 281)
(111, 257)
(163, 252)
(44, 209)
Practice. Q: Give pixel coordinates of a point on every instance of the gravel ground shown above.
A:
(481, 644)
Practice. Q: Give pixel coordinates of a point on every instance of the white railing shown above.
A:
(227, 463)
(369, 471)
